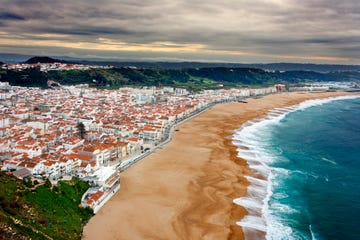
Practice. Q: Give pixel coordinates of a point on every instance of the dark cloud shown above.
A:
(229, 30)
(11, 16)
(85, 31)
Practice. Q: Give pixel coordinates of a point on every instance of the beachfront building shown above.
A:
(134, 145)
(310, 89)
(149, 133)
(101, 153)
(105, 183)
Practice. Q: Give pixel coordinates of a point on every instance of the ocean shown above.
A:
(306, 164)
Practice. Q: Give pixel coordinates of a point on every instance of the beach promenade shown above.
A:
(185, 189)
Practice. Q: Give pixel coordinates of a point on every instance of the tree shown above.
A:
(28, 182)
(47, 183)
(81, 129)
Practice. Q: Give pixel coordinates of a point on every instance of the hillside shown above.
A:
(324, 68)
(35, 60)
(192, 79)
(42, 212)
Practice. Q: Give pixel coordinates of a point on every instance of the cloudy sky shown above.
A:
(320, 31)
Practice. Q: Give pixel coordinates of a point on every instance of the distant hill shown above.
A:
(307, 67)
(194, 79)
(1, 63)
(323, 68)
(42, 59)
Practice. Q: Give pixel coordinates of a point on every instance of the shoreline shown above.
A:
(186, 189)
(255, 224)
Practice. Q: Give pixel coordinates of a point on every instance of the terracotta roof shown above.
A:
(81, 157)
(133, 139)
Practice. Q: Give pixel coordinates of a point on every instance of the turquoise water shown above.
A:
(307, 165)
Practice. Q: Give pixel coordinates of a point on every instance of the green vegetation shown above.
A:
(81, 129)
(192, 79)
(31, 77)
(42, 212)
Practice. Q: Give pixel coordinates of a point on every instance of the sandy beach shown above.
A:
(186, 189)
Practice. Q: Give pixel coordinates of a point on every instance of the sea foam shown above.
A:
(250, 139)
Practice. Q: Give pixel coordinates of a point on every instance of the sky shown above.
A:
(244, 31)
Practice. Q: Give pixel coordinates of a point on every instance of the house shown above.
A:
(134, 145)
(280, 87)
(101, 153)
(31, 165)
(72, 142)
(51, 168)
(150, 133)
(122, 149)
(66, 165)
(86, 168)
(93, 199)
(22, 173)
(105, 177)
(11, 164)
(31, 151)
(38, 124)
(4, 122)
(80, 161)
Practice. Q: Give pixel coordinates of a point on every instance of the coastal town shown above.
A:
(77, 131)
(179, 120)
(51, 66)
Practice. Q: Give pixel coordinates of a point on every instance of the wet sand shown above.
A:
(186, 189)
